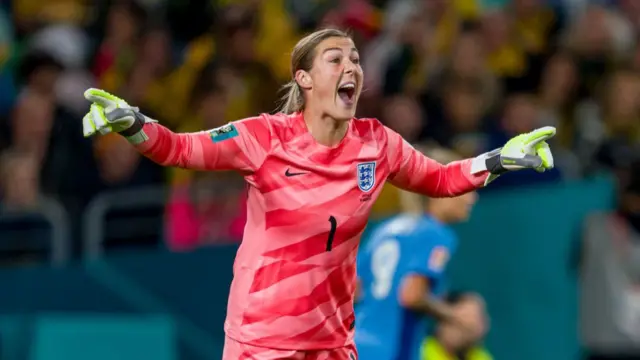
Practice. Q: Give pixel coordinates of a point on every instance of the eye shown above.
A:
(355, 60)
(335, 60)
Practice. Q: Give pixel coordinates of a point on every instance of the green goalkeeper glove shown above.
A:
(525, 151)
(109, 113)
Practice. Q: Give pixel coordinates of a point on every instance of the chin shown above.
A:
(346, 116)
(459, 218)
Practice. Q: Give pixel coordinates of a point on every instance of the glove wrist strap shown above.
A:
(494, 165)
(135, 134)
(490, 162)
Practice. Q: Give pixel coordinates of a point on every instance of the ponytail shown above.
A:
(293, 101)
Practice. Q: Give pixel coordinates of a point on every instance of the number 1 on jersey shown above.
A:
(332, 232)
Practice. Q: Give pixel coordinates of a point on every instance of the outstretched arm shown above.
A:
(413, 171)
(241, 145)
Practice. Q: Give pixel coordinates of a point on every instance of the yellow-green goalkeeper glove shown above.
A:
(525, 151)
(108, 113)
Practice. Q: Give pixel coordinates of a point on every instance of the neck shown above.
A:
(325, 129)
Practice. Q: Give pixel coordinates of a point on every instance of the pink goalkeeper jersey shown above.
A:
(308, 204)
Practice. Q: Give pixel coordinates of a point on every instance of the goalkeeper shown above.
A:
(314, 171)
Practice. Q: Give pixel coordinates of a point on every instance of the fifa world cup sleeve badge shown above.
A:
(222, 133)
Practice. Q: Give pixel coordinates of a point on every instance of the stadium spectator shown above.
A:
(520, 113)
(609, 272)
(205, 207)
(466, 62)
(610, 119)
(210, 210)
(460, 123)
(34, 112)
(19, 180)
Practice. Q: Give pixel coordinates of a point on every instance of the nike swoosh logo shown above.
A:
(290, 174)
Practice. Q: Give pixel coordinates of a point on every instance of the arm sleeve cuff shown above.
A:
(479, 164)
(135, 134)
(137, 138)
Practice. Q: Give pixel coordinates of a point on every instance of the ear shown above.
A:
(303, 79)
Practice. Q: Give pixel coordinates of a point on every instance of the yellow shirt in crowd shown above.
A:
(433, 350)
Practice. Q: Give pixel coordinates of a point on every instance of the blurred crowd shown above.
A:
(463, 74)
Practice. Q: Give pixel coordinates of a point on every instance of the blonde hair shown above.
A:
(302, 59)
(414, 203)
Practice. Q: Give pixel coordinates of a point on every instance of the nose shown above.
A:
(349, 67)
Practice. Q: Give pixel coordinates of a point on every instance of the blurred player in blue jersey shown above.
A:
(401, 275)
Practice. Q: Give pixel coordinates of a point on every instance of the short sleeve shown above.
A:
(430, 254)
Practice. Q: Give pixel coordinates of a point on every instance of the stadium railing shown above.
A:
(130, 221)
(23, 226)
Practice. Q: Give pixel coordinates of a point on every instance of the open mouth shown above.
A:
(347, 92)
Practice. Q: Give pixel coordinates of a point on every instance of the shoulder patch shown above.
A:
(224, 132)
(438, 258)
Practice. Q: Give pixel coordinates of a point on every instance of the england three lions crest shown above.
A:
(366, 175)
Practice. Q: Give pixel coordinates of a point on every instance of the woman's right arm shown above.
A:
(240, 145)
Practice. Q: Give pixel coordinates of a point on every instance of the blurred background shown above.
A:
(113, 257)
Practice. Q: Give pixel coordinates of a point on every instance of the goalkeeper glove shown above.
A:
(109, 113)
(525, 151)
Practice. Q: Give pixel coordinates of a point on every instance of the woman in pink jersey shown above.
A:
(313, 171)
